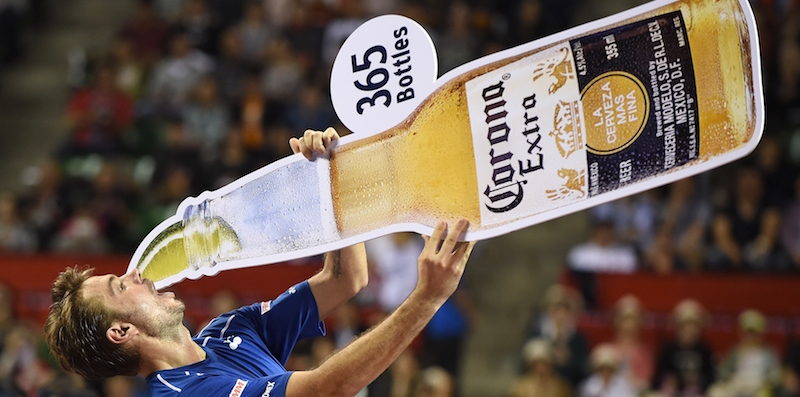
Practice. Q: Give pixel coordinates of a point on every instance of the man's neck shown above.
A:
(168, 353)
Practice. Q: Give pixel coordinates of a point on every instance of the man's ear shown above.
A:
(120, 332)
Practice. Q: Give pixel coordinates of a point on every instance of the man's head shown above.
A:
(98, 325)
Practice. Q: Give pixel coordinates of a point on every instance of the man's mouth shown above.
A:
(155, 292)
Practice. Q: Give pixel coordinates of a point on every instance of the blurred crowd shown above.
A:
(558, 360)
(193, 94)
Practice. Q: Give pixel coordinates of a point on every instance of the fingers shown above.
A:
(313, 142)
(432, 242)
(452, 237)
(463, 250)
(294, 143)
(329, 136)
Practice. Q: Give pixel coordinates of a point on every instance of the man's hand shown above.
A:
(440, 269)
(313, 142)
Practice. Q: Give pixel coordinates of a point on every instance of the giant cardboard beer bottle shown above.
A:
(608, 109)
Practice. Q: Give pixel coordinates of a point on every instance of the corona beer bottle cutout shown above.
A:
(604, 110)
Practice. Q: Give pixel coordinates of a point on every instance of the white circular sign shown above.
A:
(382, 73)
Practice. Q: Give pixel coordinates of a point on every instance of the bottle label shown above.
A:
(583, 118)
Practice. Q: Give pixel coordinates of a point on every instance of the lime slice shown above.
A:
(166, 255)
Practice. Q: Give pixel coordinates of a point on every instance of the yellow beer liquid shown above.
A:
(423, 170)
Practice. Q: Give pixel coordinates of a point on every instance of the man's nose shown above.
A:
(135, 276)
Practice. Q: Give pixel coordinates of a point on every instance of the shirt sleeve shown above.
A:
(224, 385)
(285, 320)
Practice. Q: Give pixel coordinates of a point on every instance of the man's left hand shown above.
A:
(314, 142)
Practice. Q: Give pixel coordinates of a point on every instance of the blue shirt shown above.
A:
(246, 350)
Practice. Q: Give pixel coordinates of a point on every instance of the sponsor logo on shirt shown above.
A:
(270, 386)
(265, 306)
(233, 342)
(238, 388)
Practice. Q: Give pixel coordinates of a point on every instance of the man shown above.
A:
(102, 326)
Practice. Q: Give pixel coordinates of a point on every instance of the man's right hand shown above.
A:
(440, 268)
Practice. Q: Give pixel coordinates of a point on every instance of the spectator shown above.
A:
(685, 365)
(752, 368)
(175, 77)
(606, 379)
(435, 382)
(230, 71)
(284, 74)
(201, 26)
(7, 319)
(337, 30)
(746, 232)
(539, 379)
(447, 332)
(43, 206)
(81, 233)
(10, 31)
(130, 74)
(570, 349)
(254, 32)
(526, 22)
(635, 357)
(457, 45)
(147, 32)
(110, 202)
(634, 218)
(601, 254)
(169, 10)
(99, 115)
(684, 218)
(776, 173)
(790, 227)
(310, 110)
(348, 325)
(390, 256)
(790, 384)
(205, 119)
(15, 236)
(231, 164)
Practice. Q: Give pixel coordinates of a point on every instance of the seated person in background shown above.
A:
(636, 358)
(752, 368)
(606, 380)
(746, 233)
(570, 350)
(435, 382)
(601, 254)
(539, 380)
(685, 365)
(790, 384)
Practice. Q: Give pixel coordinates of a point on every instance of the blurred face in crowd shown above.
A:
(603, 235)
(606, 372)
(7, 208)
(748, 186)
(751, 338)
(180, 45)
(206, 92)
(688, 333)
(542, 368)
(561, 315)
(628, 325)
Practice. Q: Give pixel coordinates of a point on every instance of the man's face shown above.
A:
(137, 301)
